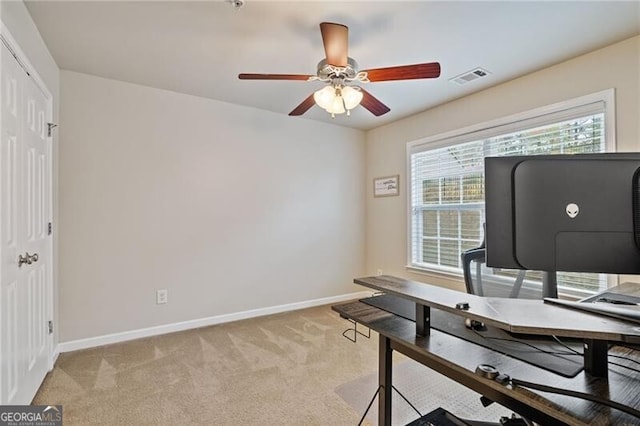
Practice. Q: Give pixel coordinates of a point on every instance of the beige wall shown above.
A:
(229, 208)
(616, 66)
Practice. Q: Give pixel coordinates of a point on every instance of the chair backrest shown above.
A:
(483, 281)
(474, 257)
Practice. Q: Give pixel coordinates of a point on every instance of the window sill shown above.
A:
(435, 273)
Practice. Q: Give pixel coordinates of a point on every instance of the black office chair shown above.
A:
(484, 281)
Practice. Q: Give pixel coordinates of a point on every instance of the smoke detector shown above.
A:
(237, 4)
(470, 76)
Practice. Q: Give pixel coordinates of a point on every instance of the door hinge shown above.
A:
(50, 126)
(49, 228)
(50, 327)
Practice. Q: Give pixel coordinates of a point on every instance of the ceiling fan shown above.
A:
(341, 72)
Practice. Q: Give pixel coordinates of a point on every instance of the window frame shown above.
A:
(520, 121)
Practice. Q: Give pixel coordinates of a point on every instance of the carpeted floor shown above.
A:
(287, 369)
(425, 389)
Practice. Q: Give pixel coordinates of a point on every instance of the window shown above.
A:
(446, 177)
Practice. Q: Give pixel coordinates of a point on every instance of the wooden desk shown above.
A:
(458, 359)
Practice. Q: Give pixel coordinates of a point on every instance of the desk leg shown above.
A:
(423, 320)
(384, 380)
(596, 357)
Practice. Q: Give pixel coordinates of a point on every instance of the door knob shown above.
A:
(24, 259)
(27, 258)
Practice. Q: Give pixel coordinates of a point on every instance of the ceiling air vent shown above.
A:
(470, 76)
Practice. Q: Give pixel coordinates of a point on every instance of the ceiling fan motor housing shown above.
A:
(327, 71)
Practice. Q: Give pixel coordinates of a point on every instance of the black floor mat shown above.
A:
(516, 346)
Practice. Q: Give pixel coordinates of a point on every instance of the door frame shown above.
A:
(21, 57)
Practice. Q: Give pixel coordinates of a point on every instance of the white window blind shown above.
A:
(447, 183)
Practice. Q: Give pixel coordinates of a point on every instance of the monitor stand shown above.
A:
(549, 284)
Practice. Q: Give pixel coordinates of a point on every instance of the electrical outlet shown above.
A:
(161, 297)
(379, 272)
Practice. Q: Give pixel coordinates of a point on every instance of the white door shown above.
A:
(25, 249)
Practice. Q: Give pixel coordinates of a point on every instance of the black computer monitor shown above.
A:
(574, 213)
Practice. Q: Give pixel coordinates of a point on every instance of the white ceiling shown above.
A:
(199, 47)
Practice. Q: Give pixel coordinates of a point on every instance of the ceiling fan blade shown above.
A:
(304, 106)
(372, 103)
(335, 38)
(405, 72)
(274, 77)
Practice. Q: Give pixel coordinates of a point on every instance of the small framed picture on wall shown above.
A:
(387, 186)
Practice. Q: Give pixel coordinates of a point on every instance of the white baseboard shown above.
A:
(107, 339)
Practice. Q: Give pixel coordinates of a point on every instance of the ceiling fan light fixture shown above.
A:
(338, 99)
(324, 97)
(352, 97)
(337, 105)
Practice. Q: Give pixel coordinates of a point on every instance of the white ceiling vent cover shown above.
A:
(469, 76)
